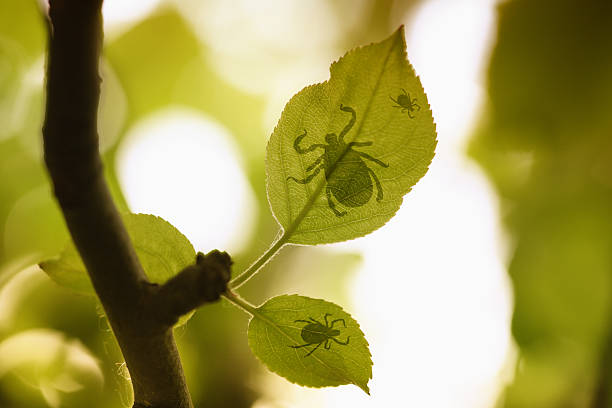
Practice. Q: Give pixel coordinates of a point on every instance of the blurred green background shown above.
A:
(542, 134)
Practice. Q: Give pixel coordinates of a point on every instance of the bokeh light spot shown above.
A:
(183, 167)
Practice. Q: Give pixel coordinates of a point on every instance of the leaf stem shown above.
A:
(235, 299)
(255, 267)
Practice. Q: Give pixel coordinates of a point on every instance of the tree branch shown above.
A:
(201, 283)
(602, 392)
(74, 164)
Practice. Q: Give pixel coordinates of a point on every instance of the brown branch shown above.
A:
(74, 164)
(602, 393)
(201, 283)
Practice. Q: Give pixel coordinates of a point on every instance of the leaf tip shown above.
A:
(365, 388)
(399, 34)
(48, 264)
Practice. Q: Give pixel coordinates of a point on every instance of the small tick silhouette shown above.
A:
(316, 333)
(349, 179)
(405, 103)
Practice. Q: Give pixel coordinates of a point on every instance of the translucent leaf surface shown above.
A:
(162, 250)
(310, 342)
(347, 150)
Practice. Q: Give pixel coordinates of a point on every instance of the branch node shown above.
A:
(203, 282)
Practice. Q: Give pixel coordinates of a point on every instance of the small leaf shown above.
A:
(68, 270)
(346, 151)
(162, 250)
(287, 333)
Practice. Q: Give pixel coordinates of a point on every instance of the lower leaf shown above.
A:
(310, 342)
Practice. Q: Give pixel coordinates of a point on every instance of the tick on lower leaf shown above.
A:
(317, 333)
(349, 180)
(406, 104)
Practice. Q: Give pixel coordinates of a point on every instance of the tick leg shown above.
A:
(303, 345)
(296, 144)
(311, 148)
(405, 93)
(359, 144)
(350, 124)
(339, 342)
(375, 160)
(307, 179)
(331, 203)
(325, 318)
(327, 344)
(379, 191)
(315, 321)
(338, 320)
(416, 105)
(411, 117)
(313, 350)
(315, 164)
(390, 97)
(302, 321)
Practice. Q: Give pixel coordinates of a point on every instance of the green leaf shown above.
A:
(162, 250)
(281, 327)
(359, 187)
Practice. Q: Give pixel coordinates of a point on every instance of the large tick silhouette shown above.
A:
(349, 179)
(316, 333)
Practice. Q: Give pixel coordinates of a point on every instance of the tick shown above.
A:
(406, 104)
(349, 180)
(316, 333)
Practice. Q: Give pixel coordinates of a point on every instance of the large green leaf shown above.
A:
(162, 250)
(286, 334)
(347, 150)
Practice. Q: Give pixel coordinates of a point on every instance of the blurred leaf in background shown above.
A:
(22, 39)
(546, 142)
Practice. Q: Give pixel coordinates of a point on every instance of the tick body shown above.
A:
(406, 104)
(316, 333)
(349, 179)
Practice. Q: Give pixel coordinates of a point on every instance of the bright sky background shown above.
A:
(180, 153)
(438, 307)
